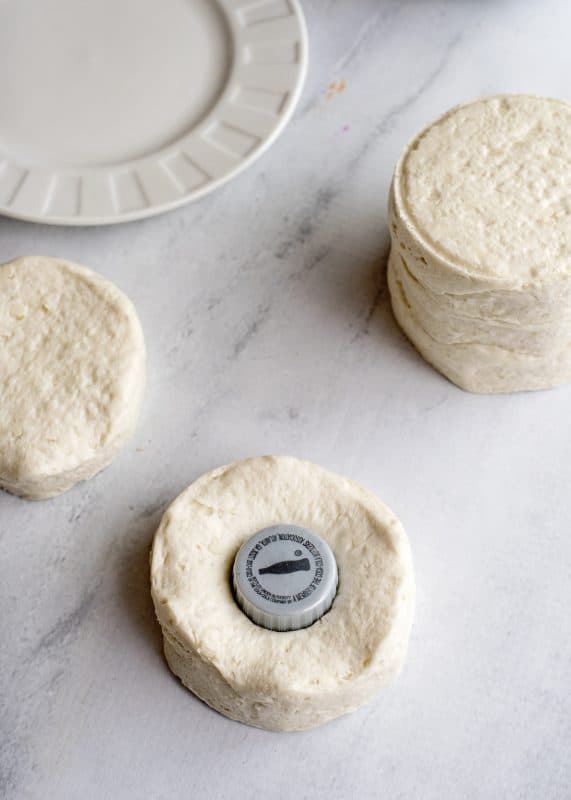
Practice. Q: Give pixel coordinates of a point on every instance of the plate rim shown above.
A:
(152, 209)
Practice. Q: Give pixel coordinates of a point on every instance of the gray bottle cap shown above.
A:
(285, 577)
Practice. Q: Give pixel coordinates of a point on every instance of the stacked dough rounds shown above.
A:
(72, 372)
(281, 680)
(480, 265)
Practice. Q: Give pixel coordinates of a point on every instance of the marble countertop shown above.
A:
(269, 330)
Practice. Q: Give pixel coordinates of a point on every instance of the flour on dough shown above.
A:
(298, 679)
(72, 371)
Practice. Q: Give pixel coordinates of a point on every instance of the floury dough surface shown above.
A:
(480, 264)
(487, 187)
(299, 679)
(72, 371)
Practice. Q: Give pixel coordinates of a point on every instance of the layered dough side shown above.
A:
(480, 266)
(480, 368)
(449, 326)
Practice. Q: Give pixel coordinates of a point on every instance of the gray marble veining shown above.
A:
(268, 330)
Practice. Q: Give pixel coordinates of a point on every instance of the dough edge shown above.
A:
(478, 368)
(42, 485)
(257, 704)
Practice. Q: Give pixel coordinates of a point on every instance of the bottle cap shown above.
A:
(285, 577)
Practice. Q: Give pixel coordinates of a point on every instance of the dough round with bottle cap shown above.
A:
(276, 680)
(480, 267)
(72, 371)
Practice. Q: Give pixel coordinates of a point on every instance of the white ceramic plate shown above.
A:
(113, 110)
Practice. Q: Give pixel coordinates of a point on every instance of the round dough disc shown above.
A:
(484, 193)
(72, 371)
(281, 680)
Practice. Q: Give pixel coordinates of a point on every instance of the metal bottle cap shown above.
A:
(285, 577)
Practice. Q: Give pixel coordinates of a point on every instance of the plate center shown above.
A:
(98, 82)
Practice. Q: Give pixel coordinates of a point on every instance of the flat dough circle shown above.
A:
(297, 679)
(485, 189)
(72, 371)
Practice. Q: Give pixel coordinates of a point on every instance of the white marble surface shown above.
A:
(268, 330)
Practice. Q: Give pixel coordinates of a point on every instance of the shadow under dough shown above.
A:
(133, 576)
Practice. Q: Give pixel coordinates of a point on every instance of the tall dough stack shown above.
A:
(480, 264)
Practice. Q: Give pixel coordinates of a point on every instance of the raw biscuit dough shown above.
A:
(480, 266)
(297, 679)
(72, 372)
(477, 367)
